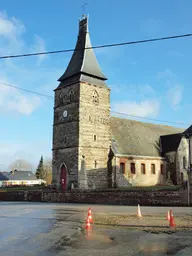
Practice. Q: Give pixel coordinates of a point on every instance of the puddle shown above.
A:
(162, 247)
(93, 240)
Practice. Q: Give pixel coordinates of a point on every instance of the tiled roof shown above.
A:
(131, 137)
(17, 175)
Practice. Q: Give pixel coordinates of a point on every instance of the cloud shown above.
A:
(174, 89)
(175, 96)
(141, 90)
(12, 100)
(12, 41)
(146, 108)
(10, 28)
(19, 73)
(39, 46)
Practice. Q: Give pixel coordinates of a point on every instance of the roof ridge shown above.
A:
(152, 124)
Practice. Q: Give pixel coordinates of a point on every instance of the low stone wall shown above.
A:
(156, 198)
(34, 196)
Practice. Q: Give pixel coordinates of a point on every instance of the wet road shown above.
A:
(36, 229)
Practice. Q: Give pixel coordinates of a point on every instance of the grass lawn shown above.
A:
(20, 189)
(151, 188)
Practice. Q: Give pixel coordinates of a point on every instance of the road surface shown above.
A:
(42, 229)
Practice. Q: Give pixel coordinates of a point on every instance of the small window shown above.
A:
(65, 139)
(95, 137)
(153, 168)
(70, 118)
(71, 95)
(95, 97)
(142, 168)
(61, 95)
(95, 164)
(133, 171)
(122, 168)
(184, 162)
(182, 177)
(162, 169)
(89, 118)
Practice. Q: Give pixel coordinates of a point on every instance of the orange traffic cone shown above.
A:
(88, 225)
(172, 221)
(139, 215)
(90, 216)
(168, 216)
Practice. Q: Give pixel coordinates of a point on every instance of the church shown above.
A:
(114, 152)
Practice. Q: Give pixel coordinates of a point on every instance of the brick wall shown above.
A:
(139, 179)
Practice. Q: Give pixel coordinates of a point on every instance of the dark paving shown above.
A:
(123, 242)
(36, 229)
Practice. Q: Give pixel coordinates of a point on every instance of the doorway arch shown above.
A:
(63, 176)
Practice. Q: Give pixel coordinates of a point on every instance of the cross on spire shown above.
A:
(83, 8)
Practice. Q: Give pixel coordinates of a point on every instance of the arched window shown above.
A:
(184, 162)
(71, 95)
(142, 168)
(61, 95)
(133, 170)
(122, 168)
(95, 97)
(152, 168)
(65, 139)
(70, 118)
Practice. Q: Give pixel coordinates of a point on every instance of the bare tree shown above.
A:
(21, 165)
(48, 168)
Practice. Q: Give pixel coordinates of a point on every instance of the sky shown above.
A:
(151, 80)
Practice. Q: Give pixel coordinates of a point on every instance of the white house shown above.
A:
(19, 178)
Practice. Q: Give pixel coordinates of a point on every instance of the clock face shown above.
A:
(65, 113)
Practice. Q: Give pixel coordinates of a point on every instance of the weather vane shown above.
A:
(83, 8)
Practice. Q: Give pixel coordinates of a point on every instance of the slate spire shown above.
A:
(83, 65)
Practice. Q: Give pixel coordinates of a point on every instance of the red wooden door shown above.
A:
(63, 178)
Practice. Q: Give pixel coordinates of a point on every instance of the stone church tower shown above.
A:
(81, 118)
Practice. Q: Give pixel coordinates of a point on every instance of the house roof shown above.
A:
(17, 175)
(136, 138)
(83, 64)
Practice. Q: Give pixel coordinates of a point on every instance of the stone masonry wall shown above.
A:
(111, 197)
(183, 151)
(66, 132)
(94, 132)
